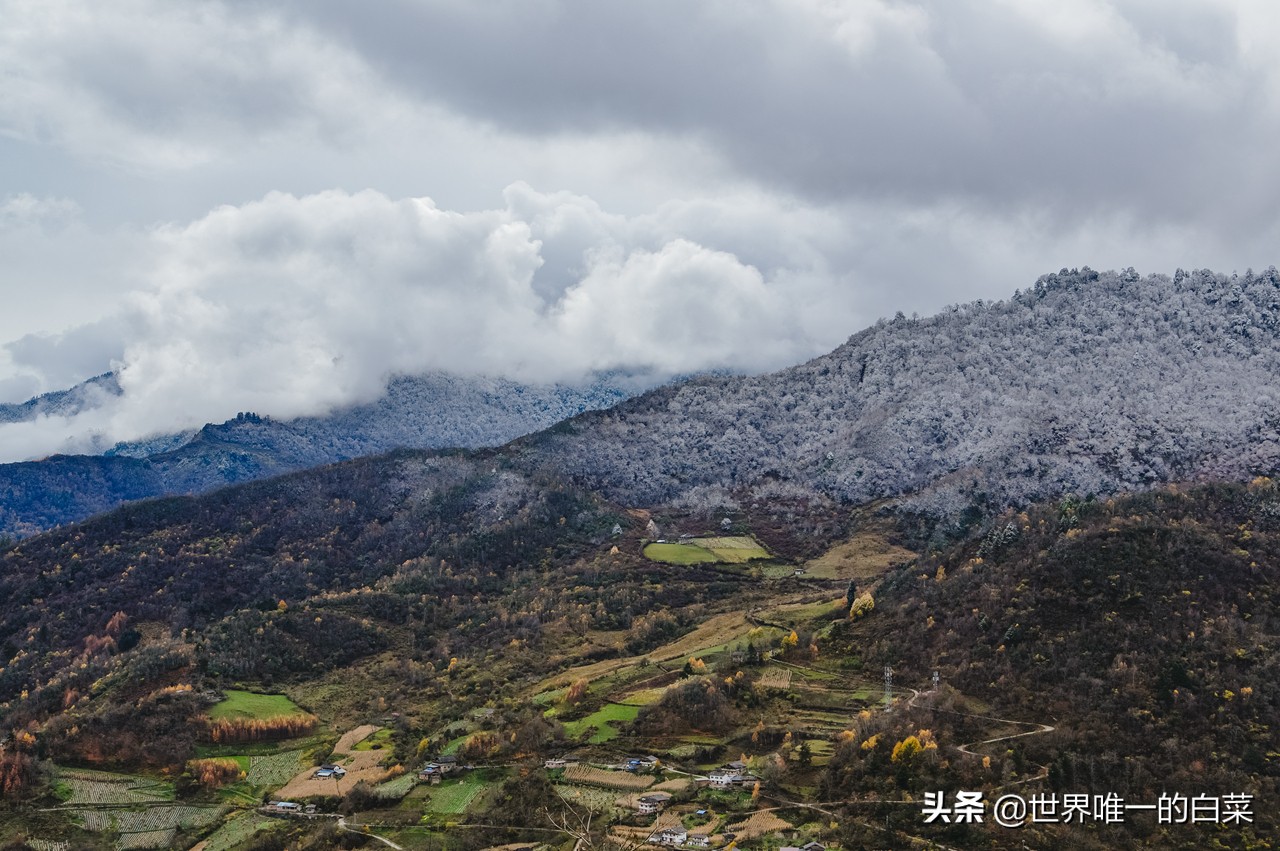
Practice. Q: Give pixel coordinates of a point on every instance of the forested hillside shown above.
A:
(1142, 628)
(1088, 383)
(422, 412)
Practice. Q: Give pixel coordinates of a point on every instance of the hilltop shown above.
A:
(1086, 383)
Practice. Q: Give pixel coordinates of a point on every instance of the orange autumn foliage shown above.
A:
(242, 730)
(212, 773)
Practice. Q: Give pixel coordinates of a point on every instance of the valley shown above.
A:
(756, 716)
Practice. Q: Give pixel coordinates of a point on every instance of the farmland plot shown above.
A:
(454, 798)
(101, 787)
(146, 839)
(397, 788)
(153, 827)
(599, 800)
(274, 769)
(779, 678)
(235, 831)
(604, 777)
(759, 824)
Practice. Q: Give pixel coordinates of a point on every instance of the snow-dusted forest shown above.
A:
(1087, 382)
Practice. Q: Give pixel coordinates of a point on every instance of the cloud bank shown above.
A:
(292, 306)
(228, 200)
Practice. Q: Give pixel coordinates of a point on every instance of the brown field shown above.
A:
(360, 765)
(865, 556)
(776, 678)
(715, 630)
(628, 837)
(675, 785)
(604, 777)
(351, 738)
(758, 825)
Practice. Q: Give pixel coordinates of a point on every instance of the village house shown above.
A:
(561, 761)
(650, 804)
(328, 770)
(433, 771)
(640, 763)
(702, 840)
(669, 836)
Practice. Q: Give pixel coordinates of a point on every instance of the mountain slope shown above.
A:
(429, 411)
(1087, 383)
(1142, 628)
(63, 403)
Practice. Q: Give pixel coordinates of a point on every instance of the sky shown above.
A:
(276, 206)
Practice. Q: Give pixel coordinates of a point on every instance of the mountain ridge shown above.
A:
(436, 410)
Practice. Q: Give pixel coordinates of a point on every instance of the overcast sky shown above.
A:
(274, 206)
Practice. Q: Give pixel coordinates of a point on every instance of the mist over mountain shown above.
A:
(63, 403)
(1087, 382)
(436, 410)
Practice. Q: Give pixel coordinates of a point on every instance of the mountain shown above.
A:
(1088, 382)
(1107, 634)
(1091, 383)
(439, 585)
(429, 411)
(1139, 630)
(63, 403)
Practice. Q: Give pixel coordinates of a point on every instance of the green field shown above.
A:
(455, 744)
(679, 554)
(735, 550)
(376, 742)
(452, 797)
(601, 720)
(397, 788)
(237, 830)
(276, 769)
(250, 705)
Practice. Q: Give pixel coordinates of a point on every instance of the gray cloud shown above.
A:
(221, 195)
(1081, 107)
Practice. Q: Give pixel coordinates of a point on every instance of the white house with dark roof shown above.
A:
(669, 836)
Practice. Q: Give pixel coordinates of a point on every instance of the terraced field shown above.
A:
(397, 788)
(275, 769)
(152, 827)
(599, 800)
(758, 824)
(235, 831)
(606, 778)
(89, 788)
(454, 797)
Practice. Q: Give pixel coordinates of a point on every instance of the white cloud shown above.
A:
(291, 306)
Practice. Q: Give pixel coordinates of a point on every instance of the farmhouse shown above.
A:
(733, 774)
(669, 836)
(562, 761)
(437, 768)
(649, 804)
(329, 770)
(702, 840)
